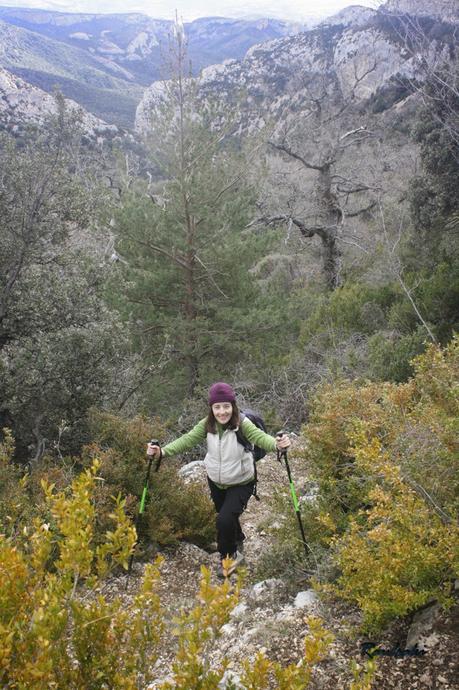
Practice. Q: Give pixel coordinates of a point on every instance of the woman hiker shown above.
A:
(230, 467)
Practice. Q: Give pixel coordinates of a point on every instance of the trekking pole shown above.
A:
(143, 499)
(283, 454)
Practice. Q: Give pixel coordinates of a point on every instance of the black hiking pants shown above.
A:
(230, 504)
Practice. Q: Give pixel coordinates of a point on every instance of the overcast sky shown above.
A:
(292, 10)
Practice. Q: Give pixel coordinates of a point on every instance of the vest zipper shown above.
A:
(219, 459)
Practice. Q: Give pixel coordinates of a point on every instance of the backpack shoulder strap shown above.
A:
(249, 448)
(240, 435)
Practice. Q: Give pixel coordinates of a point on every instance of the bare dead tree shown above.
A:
(316, 143)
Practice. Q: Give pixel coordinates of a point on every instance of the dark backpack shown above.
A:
(256, 419)
(256, 451)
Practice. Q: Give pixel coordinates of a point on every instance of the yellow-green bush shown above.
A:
(397, 554)
(386, 460)
(16, 506)
(416, 422)
(39, 607)
(58, 629)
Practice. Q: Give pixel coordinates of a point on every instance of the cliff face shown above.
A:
(445, 10)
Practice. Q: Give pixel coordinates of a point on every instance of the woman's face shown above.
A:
(222, 411)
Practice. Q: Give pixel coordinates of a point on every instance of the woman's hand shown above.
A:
(154, 450)
(283, 441)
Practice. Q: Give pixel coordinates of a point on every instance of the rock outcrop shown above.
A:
(21, 103)
(445, 10)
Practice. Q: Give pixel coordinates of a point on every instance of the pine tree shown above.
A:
(185, 254)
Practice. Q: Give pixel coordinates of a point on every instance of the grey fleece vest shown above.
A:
(227, 462)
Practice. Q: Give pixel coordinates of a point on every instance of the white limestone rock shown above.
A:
(80, 36)
(239, 611)
(355, 15)
(421, 633)
(267, 587)
(228, 629)
(230, 680)
(192, 471)
(307, 599)
(142, 44)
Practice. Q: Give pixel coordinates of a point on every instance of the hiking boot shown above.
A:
(237, 558)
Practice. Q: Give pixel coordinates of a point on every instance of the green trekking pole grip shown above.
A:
(283, 454)
(143, 497)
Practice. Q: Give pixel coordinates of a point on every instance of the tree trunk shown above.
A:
(331, 260)
(329, 218)
(190, 300)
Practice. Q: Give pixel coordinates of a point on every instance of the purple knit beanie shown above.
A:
(221, 392)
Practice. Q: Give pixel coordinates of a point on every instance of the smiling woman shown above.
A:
(229, 465)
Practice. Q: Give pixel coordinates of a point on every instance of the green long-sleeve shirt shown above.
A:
(198, 434)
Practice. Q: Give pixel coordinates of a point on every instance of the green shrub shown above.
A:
(355, 307)
(175, 510)
(390, 356)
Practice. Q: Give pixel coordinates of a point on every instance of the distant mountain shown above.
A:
(104, 61)
(100, 86)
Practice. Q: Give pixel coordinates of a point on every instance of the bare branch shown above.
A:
(273, 220)
(444, 517)
(354, 214)
(285, 149)
(217, 287)
(160, 250)
(396, 269)
(344, 240)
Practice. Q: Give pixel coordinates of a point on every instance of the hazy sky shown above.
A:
(191, 9)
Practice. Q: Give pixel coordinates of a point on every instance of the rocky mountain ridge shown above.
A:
(95, 66)
(360, 49)
(131, 37)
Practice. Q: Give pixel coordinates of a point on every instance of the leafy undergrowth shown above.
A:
(59, 630)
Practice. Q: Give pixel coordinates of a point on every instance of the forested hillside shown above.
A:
(288, 223)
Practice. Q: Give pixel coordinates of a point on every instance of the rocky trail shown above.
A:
(272, 615)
